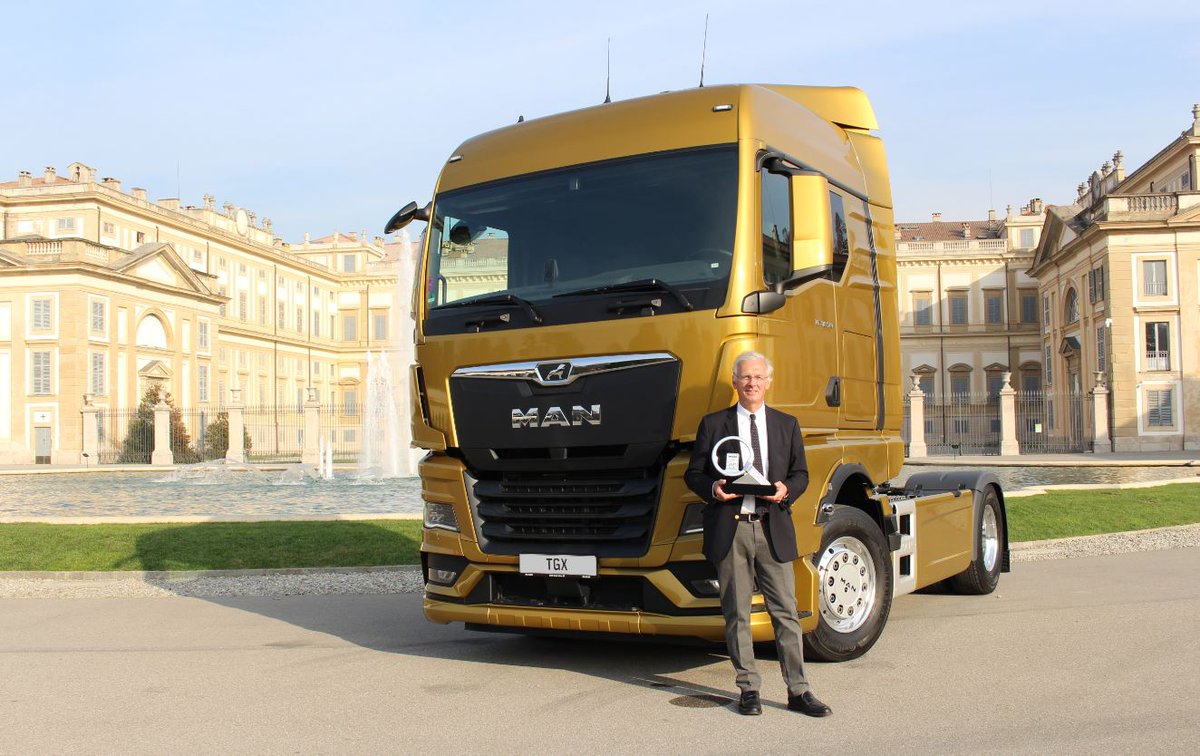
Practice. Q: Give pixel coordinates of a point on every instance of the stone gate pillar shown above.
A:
(1009, 446)
(162, 436)
(311, 454)
(916, 420)
(91, 432)
(1101, 442)
(237, 423)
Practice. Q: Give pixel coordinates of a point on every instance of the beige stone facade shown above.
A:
(1118, 272)
(968, 309)
(102, 290)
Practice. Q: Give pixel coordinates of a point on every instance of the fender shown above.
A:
(975, 480)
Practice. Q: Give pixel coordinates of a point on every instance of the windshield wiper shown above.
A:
(645, 284)
(497, 299)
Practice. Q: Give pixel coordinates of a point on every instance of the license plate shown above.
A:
(558, 565)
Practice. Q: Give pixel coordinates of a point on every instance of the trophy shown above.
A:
(738, 469)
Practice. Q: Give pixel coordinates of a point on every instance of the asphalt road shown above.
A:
(1084, 655)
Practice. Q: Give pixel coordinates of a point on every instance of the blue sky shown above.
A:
(330, 115)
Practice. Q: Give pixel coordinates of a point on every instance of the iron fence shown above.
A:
(1049, 423)
(274, 433)
(962, 424)
(124, 436)
(341, 427)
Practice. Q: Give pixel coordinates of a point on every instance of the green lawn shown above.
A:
(259, 545)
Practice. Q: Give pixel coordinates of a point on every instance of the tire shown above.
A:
(984, 573)
(850, 616)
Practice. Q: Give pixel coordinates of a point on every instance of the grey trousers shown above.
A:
(750, 555)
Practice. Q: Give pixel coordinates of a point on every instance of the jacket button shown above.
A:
(737, 517)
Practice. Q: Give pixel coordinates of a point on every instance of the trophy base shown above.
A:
(748, 486)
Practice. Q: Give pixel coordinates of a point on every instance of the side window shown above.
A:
(841, 237)
(776, 227)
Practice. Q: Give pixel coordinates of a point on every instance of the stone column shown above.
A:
(311, 454)
(1008, 418)
(916, 420)
(236, 415)
(162, 435)
(1101, 443)
(91, 432)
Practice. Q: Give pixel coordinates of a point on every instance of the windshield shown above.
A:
(667, 218)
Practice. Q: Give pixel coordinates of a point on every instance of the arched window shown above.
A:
(1072, 306)
(960, 381)
(150, 333)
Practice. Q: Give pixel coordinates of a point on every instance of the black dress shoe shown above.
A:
(749, 703)
(807, 703)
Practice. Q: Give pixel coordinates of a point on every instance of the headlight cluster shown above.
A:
(441, 516)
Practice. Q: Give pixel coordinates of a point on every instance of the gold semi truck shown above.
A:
(587, 280)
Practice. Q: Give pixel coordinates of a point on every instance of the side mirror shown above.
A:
(406, 215)
(812, 228)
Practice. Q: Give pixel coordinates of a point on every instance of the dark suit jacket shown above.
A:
(785, 462)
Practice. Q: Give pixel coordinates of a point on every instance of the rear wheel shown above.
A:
(854, 572)
(984, 573)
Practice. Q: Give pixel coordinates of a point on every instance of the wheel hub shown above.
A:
(989, 538)
(848, 579)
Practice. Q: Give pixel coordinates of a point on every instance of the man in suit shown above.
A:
(748, 537)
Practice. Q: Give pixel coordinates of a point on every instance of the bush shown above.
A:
(216, 437)
(138, 445)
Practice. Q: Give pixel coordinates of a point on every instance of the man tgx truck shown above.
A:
(586, 281)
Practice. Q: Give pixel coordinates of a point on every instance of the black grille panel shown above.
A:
(566, 513)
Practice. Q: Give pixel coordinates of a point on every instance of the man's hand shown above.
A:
(719, 492)
(780, 496)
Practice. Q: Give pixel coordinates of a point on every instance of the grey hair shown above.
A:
(746, 357)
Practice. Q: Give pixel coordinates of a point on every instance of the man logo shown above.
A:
(554, 372)
(556, 417)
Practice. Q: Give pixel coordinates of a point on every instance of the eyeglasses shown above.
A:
(753, 378)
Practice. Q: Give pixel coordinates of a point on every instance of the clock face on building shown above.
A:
(242, 221)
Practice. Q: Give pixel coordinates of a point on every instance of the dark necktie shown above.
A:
(754, 447)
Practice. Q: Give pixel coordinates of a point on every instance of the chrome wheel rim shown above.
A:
(989, 538)
(848, 579)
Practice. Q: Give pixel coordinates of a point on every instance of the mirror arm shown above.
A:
(804, 275)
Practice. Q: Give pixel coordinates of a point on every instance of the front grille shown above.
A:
(566, 513)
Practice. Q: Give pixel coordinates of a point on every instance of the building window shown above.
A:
(348, 263)
(1096, 285)
(995, 382)
(316, 324)
(96, 383)
(994, 307)
(922, 308)
(1026, 238)
(1158, 409)
(1071, 307)
(1049, 366)
(349, 328)
(262, 310)
(202, 334)
(223, 292)
(1158, 346)
(1046, 313)
(1028, 306)
(242, 305)
(1101, 349)
(64, 225)
(1154, 278)
(280, 315)
(42, 320)
(380, 324)
(140, 236)
(349, 402)
(1031, 381)
(202, 383)
(776, 227)
(99, 316)
(108, 228)
(40, 372)
(960, 384)
(958, 308)
(300, 319)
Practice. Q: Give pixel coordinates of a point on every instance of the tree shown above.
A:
(216, 437)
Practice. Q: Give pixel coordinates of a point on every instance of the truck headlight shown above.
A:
(438, 515)
(693, 520)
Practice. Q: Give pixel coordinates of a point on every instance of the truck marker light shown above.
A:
(721, 108)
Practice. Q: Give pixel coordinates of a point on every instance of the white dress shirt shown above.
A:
(743, 419)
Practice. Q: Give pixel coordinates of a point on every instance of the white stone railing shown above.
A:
(962, 245)
(43, 248)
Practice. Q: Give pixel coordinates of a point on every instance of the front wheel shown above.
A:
(855, 582)
(984, 573)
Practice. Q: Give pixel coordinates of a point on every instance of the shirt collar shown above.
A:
(761, 414)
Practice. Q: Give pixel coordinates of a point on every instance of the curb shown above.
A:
(183, 575)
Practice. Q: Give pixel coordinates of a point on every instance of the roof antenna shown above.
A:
(608, 74)
(704, 51)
